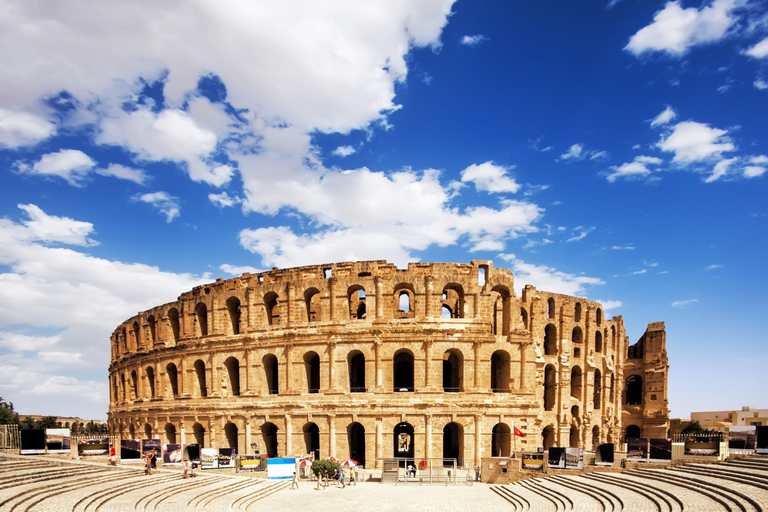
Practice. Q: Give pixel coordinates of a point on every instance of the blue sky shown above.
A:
(615, 151)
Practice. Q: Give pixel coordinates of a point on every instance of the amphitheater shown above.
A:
(363, 360)
(40, 484)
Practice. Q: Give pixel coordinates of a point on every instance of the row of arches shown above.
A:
(577, 382)
(577, 311)
(577, 337)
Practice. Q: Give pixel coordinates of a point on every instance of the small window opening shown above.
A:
(327, 273)
(481, 275)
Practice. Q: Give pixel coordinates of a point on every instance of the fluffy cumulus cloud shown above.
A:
(577, 152)
(760, 50)
(695, 142)
(490, 177)
(549, 279)
(640, 167)
(72, 165)
(667, 115)
(473, 40)
(675, 29)
(163, 202)
(77, 300)
(19, 129)
(343, 151)
(236, 270)
(124, 173)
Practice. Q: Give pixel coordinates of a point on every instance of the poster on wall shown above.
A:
(32, 442)
(226, 458)
(702, 445)
(57, 440)
(248, 463)
(172, 454)
(192, 452)
(604, 454)
(147, 445)
(637, 449)
(281, 469)
(533, 461)
(574, 458)
(556, 458)
(130, 449)
(208, 458)
(660, 450)
(761, 441)
(94, 446)
(741, 439)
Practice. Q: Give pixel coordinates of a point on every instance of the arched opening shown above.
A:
(575, 413)
(173, 379)
(453, 299)
(549, 387)
(548, 437)
(524, 318)
(634, 390)
(124, 339)
(403, 438)
(445, 312)
(230, 432)
(152, 329)
(202, 388)
(198, 431)
(500, 372)
(356, 440)
(356, 299)
(136, 337)
(597, 390)
(573, 437)
(132, 432)
(453, 371)
(173, 318)
(551, 307)
(170, 433)
(577, 312)
(595, 437)
(312, 368)
(201, 315)
(453, 443)
(500, 441)
(270, 373)
(151, 381)
(134, 385)
(269, 436)
(233, 308)
(577, 336)
(270, 307)
(611, 386)
(356, 364)
(599, 316)
(633, 432)
(312, 302)
(576, 382)
(598, 342)
(122, 388)
(402, 369)
(312, 439)
(501, 310)
(233, 372)
(550, 340)
(613, 337)
(404, 302)
(147, 431)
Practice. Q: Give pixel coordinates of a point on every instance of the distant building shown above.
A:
(747, 416)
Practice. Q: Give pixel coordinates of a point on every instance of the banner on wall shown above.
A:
(637, 449)
(32, 442)
(209, 458)
(660, 450)
(556, 458)
(226, 458)
(574, 458)
(604, 454)
(130, 449)
(172, 454)
(57, 440)
(533, 461)
(742, 439)
(761, 441)
(281, 469)
(90, 447)
(192, 452)
(247, 463)
(702, 445)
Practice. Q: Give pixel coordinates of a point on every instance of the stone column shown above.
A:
(332, 434)
(288, 364)
(248, 375)
(332, 301)
(428, 435)
(427, 364)
(478, 439)
(427, 295)
(289, 306)
(379, 304)
(248, 435)
(379, 446)
(476, 305)
(288, 434)
(476, 367)
(183, 430)
(331, 364)
(379, 369)
(522, 383)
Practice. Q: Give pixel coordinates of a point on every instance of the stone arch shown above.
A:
(501, 440)
(597, 390)
(356, 301)
(170, 433)
(634, 390)
(551, 307)
(136, 336)
(271, 308)
(122, 388)
(234, 310)
(598, 341)
(613, 337)
(312, 369)
(152, 324)
(453, 442)
(524, 318)
(404, 300)
(150, 373)
(501, 309)
(500, 371)
(576, 382)
(356, 442)
(173, 319)
(550, 387)
(147, 431)
(633, 432)
(611, 379)
(548, 437)
(573, 437)
(599, 316)
(134, 385)
(595, 437)
(402, 435)
(312, 304)
(173, 379)
(403, 371)
(453, 371)
(577, 312)
(233, 373)
(269, 437)
(132, 431)
(453, 299)
(356, 371)
(269, 361)
(231, 434)
(201, 386)
(201, 317)
(577, 336)
(550, 340)
(198, 432)
(311, 439)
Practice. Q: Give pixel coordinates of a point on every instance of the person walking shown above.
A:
(185, 462)
(153, 458)
(340, 475)
(295, 482)
(147, 464)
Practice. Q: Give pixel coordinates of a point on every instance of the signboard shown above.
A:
(604, 454)
(57, 440)
(660, 450)
(574, 458)
(248, 463)
(192, 452)
(637, 449)
(761, 441)
(742, 439)
(281, 469)
(32, 442)
(93, 447)
(226, 458)
(130, 449)
(556, 458)
(533, 461)
(172, 454)
(209, 458)
(702, 445)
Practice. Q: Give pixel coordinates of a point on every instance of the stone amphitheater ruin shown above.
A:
(364, 360)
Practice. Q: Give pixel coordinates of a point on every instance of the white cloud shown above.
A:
(17, 342)
(682, 304)
(164, 202)
(490, 177)
(638, 168)
(695, 142)
(343, 151)
(675, 30)
(72, 165)
(473, 40)
(714, 266)
(753, 171)
(223, 200)
(18, 129)
(638, 272)
(760, 50)
(667, 115)
(124, 173)
(597, 155)
(547, 278)
(623, 248)
(720, 169)
(575, 152)
(583, 232)
(238, 270)
(761, 84)
(609, 305)
(42, 227)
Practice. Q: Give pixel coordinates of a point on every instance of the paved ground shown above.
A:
(40, 484)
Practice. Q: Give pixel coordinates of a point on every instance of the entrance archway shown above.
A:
(500, 440)
(356, 437)
(453, 443)
(312, 439)
(403, 440)
(269, 435)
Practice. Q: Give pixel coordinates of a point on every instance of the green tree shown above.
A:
(325, 468)
(693, 428)
(47, 422)
(27, 423)
(7, 415)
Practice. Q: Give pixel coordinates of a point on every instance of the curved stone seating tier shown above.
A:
(664, 501)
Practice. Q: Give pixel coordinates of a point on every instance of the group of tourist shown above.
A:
(150, 461)
(322, 480)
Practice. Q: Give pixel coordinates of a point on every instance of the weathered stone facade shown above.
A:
(365, 360)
